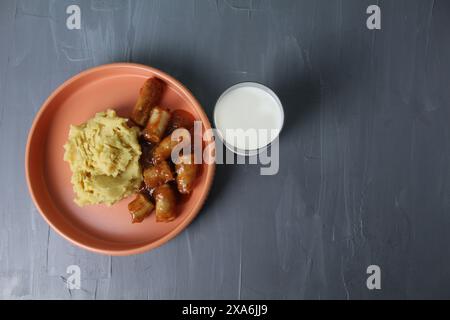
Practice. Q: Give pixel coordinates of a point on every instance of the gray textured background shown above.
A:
(364, 175)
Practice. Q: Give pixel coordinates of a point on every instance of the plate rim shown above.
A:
(140, 248)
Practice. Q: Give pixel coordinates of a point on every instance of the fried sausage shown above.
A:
(149, 96)
(164, 149)
(157, 124)
(181, 119)
(186, 171)
(165, 203)
(140, 208)
(157, 175)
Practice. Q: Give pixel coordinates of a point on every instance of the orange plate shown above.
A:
(99, 228)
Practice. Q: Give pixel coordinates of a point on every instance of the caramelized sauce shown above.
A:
(179, 119)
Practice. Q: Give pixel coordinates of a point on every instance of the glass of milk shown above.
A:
(248, 117)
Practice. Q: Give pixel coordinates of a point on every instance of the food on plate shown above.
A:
(163, 150)
(180, 119)
(157, 124)
(162, 183)
(165, 203)
(157, 175)
(186, 171)
(149, 96)
(140, 208)
(103, 154)
(112, 158)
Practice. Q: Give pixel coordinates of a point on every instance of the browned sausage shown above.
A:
(186, 173)
(140, 207)
(157, 175)
(165, 203)
(157, 124)
(149, 96)
(181, 119)
(164, 149)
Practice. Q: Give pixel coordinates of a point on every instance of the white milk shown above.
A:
(248, 117)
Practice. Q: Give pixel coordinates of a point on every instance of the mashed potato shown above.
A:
(103, 154)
